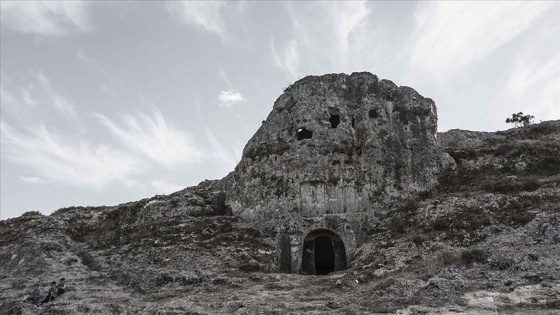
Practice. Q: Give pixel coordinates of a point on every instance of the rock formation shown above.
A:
(337, 153)
(346, 179)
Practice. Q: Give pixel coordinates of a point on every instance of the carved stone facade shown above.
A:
(336, 153)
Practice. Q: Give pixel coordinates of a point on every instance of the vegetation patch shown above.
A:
(404, 217)
(505, 185)
(463, 224)
(472, 256)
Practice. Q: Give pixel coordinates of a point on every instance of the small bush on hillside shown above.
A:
(471, 256)
(404, 216)
(505, 186)
(447, 258)
(520, 120)
(418, 240)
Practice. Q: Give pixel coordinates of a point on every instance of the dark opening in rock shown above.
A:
(372, 113)
(335, 120)
(324, 255)
(353, 123)
(303, 133)
(335, 116)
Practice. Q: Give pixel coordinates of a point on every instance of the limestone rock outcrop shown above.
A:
(337, 152)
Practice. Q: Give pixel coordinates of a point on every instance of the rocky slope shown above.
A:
(484, 240)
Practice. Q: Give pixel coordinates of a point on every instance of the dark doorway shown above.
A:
(303, 133)
(334, 120)
(324, 255)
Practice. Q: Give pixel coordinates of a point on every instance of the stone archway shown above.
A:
(323, 253)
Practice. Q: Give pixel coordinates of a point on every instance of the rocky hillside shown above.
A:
(485, 240)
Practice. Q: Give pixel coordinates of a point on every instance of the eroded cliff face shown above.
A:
(337, 152)
(339, 144)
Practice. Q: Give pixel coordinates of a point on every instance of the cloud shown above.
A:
(533, 85)
(52, 158)
(229, 98)
(113, 80)
(230, 159)
(32, 179)
(222, 74)
(324, 36)
(547, 105)
(211, 16)
(50, 18)
(37, 96)
(288, 59)
(348, 18)
(150, 136)
(537, 62)
(7, 100)
(530, 73)
(449, 35)
(59, 102)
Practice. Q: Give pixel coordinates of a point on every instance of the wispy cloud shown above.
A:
(59, 102)
(53, 158)
(7, 100)
(287, 58)
(51, 18)
(112, 80)
(348, 18)
(151, 136)
(229, 158)
(222, 74)
(229, 98)
(534, 80)
(450, 35)
(37, 95)
(211, 16)
(323, 36)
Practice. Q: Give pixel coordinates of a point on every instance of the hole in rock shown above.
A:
(303, 133)
(372, 113)
(324, 255)
(353, 123)
(335, 120)
(335, 116)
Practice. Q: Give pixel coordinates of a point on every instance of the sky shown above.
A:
(109, 102)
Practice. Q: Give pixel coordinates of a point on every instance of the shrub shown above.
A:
(447, 258)
(520, 120)
(418, 240)
(509, 186)
(474, 256)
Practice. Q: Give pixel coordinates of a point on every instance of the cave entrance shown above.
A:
(323, 253)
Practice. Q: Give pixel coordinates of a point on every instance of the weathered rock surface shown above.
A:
(470, 226)
(337, 152)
